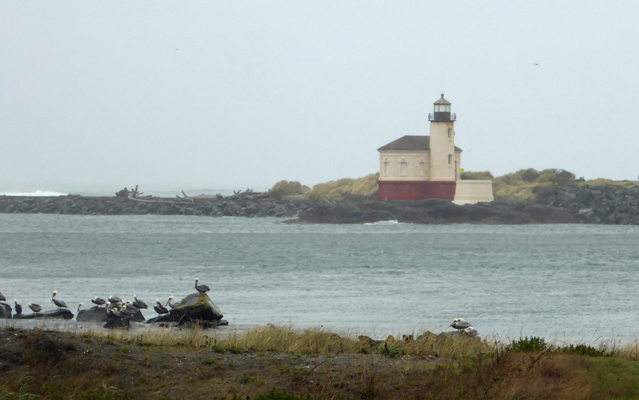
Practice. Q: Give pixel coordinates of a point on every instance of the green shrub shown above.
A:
(528, 345)
(477, 176)
(582, 349)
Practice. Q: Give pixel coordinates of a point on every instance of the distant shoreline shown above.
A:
(596, 205)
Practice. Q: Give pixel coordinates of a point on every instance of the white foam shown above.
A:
(36, 193)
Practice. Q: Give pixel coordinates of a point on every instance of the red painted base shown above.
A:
(400, 190)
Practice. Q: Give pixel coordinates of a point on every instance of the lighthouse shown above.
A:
(422, 167)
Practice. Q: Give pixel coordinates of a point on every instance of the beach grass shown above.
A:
(287, 363)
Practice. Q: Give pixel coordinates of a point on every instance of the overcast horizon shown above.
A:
(97, 96)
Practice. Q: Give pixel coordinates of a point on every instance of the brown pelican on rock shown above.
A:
(201, 288)
(18, 307)
(36, 308)
(460, 324)
(59, 303)
(159, 308)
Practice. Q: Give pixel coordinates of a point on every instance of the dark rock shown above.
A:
(5, 311)
(61, 313)
(98, 314)
(194, 307)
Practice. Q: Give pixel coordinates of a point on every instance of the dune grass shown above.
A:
(287, 363)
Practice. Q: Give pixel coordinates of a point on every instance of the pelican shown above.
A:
(36, 308)
(172, 305)
(112, 312)
(18, 307)
(79, 307)
(470, 331)
(139, 303)
(98, 301)
(59, 303)
(201, 288)
(127, 311)
(159, 308)
(459, 324)
(2, 298)
(115, 300)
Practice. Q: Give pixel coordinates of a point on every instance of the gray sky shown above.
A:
(236, 94)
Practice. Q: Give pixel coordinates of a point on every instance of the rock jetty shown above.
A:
(554, 205)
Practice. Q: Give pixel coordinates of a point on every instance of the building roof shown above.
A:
(442, 101)
(411, 143)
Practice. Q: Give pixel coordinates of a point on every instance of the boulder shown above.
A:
(194, 307)
(5, 311)
(61, 313)
(98, 314)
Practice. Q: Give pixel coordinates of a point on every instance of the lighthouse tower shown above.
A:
(422, 167)
(444, 162)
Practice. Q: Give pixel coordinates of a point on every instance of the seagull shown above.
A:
(460, 324)
(36, 308)
(59, 303)
(201, 288)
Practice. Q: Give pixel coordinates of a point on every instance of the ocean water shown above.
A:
(577, 283)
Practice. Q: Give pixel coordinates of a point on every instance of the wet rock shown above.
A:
(61, 313)
(194, 307)
(5, 311)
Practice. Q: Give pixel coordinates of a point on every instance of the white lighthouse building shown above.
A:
(426, 167)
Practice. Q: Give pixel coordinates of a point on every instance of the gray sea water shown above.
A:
(562, 282)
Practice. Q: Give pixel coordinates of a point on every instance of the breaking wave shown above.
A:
(42, 193)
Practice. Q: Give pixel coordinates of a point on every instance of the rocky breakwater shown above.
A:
(243, 205)
(196, 308)
(595, 205)
(434, 211)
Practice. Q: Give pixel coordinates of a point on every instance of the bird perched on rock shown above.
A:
(170, 304)
(18, 307)
(460, 324)
(139, 303)
(470, 331)
(2, 298)
(98, 301)
(115, 300)
(201, 288)
(79, 307)
(36, 308)
(59, 303)
(159, 308)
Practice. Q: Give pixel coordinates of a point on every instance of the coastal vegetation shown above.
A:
(286, 363)
(524, 185)
(343, 188)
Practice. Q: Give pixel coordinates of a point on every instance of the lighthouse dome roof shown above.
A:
(442, 101)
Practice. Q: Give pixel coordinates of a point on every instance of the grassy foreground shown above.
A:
(286, 364)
